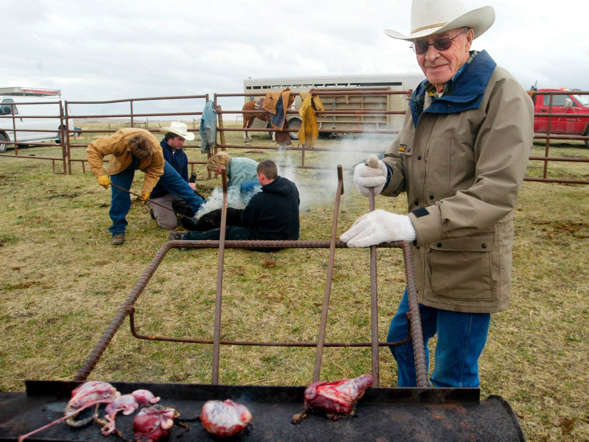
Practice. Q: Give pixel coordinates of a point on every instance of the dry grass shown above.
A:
(62, 283)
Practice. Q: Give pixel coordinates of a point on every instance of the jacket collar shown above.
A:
(166, 146)
(463, 92)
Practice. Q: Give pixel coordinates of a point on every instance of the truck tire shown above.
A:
(587, 135)
(58, 139)
(3, 143)
(294, 123)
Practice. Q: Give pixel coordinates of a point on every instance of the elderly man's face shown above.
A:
(439, 66)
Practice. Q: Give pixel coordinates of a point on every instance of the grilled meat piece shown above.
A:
(224, 419)
(334, 399)
(145, 397)
(153, 423)
(127, 403)
(86, 395)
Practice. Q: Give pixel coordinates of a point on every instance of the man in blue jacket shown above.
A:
(162, 211)
(272, 214)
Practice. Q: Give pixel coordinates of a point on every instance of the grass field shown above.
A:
(62, 282)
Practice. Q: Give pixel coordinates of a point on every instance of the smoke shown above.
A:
(318, 187)
(215, 200)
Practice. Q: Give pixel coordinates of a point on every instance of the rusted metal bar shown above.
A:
(65, 139)
(32, 130)
(547, 148)
(33, 116)
(562, 92)
(159, 114)
(269, 129)
(131, 109)
(124, 100)
(285, 149)
(565, 159)
(415, 318)
(221, 129)
(560, 114)
(553, 136)
(321, 92)
(556, 180)
(28, 157)
(218, 298)
(374, 304)
(127, 305)
(353, 112)
(14, 129)
(327, 293)
(137, 335)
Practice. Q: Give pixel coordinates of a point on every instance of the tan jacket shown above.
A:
(121, 158)
(462, 173)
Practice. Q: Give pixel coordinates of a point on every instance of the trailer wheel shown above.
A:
(3, 143)
(294, 123)
(587, 135)
(58, 139)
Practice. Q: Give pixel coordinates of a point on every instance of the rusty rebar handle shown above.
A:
(219, 295)
(414, 318)
(374, 305)
(327, 293)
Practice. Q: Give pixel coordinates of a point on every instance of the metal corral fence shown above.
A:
(136, 119)
(556, 121)
(361, 115)
(14, 134)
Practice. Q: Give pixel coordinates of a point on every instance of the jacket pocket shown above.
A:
(461, 268)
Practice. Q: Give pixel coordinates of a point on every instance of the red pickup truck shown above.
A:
(576, 108)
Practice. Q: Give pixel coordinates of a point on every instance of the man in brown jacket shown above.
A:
(129, 149)
(461, 158)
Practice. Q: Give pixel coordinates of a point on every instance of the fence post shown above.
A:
(66, 139)
(548, 129)
(132, 120)
(14, 138)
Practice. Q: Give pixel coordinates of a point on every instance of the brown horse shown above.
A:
(249, 116)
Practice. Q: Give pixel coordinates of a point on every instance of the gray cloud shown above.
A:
(120, 49)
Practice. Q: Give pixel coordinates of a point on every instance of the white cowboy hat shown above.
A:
(179, 128)
(435, 16)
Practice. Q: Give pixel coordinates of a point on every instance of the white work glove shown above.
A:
(372, 174)
(377, 227)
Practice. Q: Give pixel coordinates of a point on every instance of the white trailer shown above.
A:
(29, 115)
(369, 99)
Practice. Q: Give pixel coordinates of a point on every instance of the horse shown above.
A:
(249, 116)
(255, 109)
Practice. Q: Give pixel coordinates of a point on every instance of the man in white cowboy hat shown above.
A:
(461, 158)
(162, 195)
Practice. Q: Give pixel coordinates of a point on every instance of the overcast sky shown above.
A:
(120, 49)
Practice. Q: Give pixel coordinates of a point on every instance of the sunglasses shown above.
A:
(441, 44)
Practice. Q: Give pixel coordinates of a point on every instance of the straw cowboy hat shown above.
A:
(180, 129)
(435, 16)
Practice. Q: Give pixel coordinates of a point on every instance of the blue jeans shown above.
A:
(461, 339)
(121, 200)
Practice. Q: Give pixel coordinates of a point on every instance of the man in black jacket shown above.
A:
(272, 214)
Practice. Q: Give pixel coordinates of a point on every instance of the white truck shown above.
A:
(29, 115)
